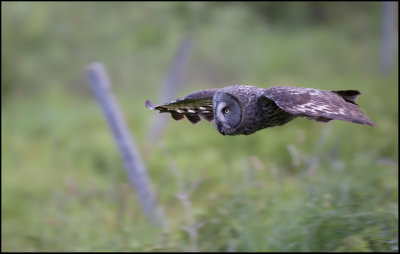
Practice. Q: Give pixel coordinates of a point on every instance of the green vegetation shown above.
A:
(305, 186)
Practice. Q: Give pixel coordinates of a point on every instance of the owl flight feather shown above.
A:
(244, 109)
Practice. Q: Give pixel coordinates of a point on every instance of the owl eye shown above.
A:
(226, 110)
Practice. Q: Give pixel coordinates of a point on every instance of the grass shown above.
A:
(305, 186)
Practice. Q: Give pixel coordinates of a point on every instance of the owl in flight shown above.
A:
(241, 109)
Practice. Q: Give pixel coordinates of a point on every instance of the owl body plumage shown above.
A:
(242, 109)
(257, 113)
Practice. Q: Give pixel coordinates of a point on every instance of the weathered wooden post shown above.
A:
(135, 168)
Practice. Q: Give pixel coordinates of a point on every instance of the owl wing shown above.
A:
(192, 106)
(319, 105)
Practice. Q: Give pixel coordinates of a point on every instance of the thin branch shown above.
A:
(183, 196)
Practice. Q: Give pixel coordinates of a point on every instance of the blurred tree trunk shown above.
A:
(388, 36)
(171, 85)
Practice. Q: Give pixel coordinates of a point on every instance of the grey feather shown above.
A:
(314, 103)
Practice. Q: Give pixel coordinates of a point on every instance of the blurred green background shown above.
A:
(305, 186)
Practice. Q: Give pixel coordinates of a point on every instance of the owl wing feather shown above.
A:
(319, 105)
(192, 106)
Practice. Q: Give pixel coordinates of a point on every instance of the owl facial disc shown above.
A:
(227, 113)
(221, 108)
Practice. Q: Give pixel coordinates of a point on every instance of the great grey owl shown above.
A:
(242, 109)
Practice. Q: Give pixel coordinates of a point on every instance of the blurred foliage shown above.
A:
(305, 186)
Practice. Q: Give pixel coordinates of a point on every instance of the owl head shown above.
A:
(234, 108)
(227, 112)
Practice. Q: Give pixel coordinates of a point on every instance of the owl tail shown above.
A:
(348, 95)
(351, 97)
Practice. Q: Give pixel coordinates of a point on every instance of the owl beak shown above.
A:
(219, 127)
